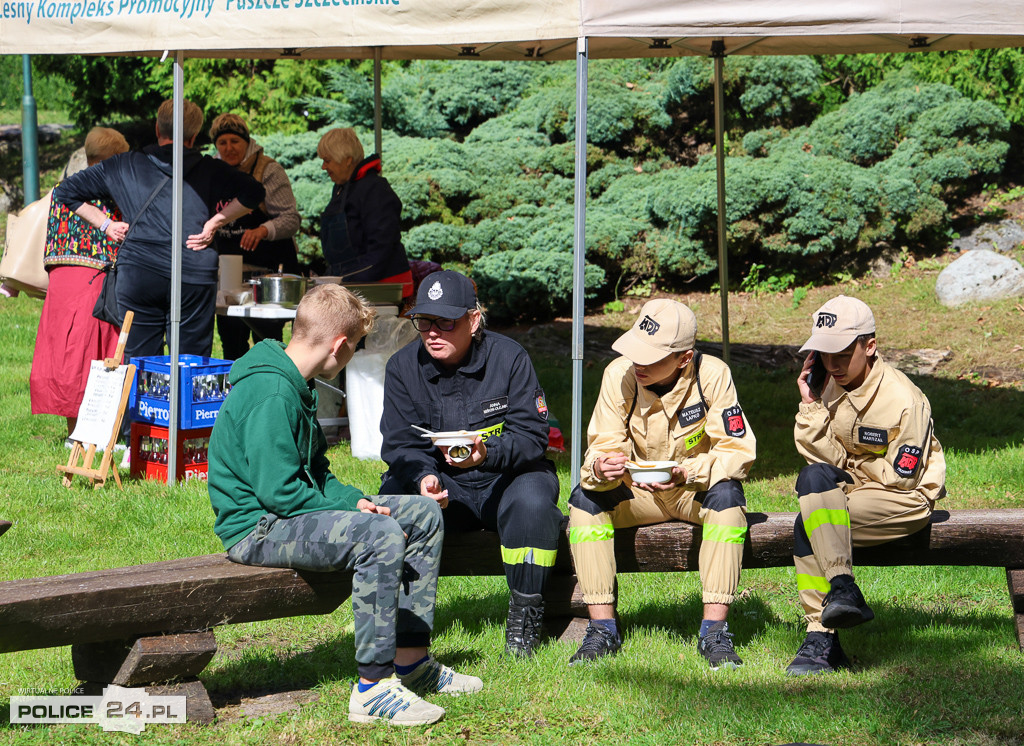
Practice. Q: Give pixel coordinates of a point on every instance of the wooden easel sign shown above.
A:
(100, 415)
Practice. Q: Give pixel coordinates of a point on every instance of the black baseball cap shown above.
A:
(446, 294)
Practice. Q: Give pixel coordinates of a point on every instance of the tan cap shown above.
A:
(836, 325)
(664, 326)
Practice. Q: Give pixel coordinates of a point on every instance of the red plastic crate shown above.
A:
(149, 452)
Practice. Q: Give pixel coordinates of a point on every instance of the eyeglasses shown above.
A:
(423, 324)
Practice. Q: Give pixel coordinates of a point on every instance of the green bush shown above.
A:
(493, 188)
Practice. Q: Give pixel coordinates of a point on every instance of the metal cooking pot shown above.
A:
(280, 289)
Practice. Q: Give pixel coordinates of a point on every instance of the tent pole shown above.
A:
(29, 135)
(578, 251)
(177, 172)
(718, 53)
(377, 105)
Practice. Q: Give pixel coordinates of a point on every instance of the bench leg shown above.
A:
(1015, 580)
(566, 616)
(165, 665)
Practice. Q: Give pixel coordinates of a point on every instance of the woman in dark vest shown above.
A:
(265, 237)
(360, 230)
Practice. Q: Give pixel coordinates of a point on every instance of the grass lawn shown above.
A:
(939, 665)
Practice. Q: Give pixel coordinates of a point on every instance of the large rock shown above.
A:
(1003, 236)
(980, 275)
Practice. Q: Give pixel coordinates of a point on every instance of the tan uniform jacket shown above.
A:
(675, 427)
(880, 433)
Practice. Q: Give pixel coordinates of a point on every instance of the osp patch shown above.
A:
(908, 458)
(732, 418)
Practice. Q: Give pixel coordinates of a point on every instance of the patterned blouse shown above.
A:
(70, 240)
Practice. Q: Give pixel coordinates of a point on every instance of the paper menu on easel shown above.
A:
(100, 406)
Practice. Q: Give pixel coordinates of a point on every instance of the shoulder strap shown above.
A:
(145, 205)
(152, 196)
(632, 404)
(697, 358)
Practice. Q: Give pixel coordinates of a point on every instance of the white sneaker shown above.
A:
(390, 701)
(431, 676)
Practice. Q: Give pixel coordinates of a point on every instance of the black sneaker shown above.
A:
(522, 630)
(717, 647)
(597, 642)
(820, 653)
(844, 607)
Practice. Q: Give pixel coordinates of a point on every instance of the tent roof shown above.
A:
(503, 29)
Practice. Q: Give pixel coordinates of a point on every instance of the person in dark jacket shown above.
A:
(277, 504)
(459, 377)
(214, 194)
(360, 230)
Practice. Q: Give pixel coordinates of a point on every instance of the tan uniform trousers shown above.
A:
(836, 516)
(594, 516)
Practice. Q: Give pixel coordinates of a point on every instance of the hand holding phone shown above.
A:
(817, 375)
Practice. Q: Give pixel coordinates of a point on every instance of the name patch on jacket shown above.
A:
(493, 406)
(732, 418)
(873, 436)
(908, 458)
(691, 415)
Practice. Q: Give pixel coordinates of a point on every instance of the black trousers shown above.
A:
(148, 295)
(521, 506)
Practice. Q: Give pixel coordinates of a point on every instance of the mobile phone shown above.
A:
(817, 376)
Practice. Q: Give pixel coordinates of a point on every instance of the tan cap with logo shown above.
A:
(836, 325)
(663, 327)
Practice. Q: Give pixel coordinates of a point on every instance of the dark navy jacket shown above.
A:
(129, 178)
(497, 385)
(361, 227)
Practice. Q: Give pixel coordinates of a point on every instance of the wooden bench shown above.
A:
(151, 624)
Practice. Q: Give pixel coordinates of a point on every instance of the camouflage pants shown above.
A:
(395, 582)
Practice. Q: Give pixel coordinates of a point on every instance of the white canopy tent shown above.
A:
(504, 30)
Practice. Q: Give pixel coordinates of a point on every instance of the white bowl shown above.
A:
(648, 472)
(453, 437)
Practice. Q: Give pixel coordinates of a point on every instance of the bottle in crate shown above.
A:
(150, 455)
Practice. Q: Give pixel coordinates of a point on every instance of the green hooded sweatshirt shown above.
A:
(267, 452)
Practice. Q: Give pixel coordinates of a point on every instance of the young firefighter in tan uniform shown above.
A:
(875, 471)
(663, 401)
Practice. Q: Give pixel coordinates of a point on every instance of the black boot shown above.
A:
(522, 631)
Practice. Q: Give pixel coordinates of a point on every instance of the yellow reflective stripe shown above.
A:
(724, 534)
(694, 439)
(528, 556)
(812, 583)
(492, 431)
(827, 516)
(580, 534)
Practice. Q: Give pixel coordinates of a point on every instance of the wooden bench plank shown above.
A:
(204, 592)
(162, 597)
(989, 538)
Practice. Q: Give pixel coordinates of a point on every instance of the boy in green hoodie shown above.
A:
(278, 505)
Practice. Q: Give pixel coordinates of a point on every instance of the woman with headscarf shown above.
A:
(360, 230)
(69, 337)
(265, 237)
